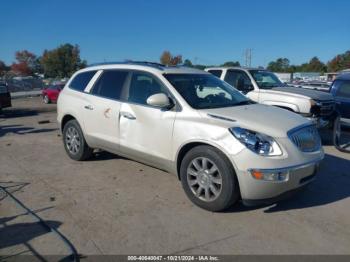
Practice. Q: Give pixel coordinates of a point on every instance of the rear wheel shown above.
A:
(74, 142)
(209, 179)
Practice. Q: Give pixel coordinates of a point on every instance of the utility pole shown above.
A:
(248, 57)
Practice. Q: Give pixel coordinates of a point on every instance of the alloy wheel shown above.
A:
(204, 179)
(73, 141)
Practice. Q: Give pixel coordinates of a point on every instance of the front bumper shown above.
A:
(324, 121)
(301, 166)
(268, 192)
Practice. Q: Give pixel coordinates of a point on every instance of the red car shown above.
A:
(50, 94)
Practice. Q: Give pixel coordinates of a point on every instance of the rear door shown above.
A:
(146, 131)
(102, 109)
(341, 92)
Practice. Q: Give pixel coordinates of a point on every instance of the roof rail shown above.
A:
(130, 62)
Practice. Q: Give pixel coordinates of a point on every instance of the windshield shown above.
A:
(203, 91)
(266, 79)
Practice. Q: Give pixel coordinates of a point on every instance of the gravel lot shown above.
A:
(112, 205)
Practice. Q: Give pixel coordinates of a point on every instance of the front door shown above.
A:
(146, 131)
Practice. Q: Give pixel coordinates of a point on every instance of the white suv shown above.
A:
(264, 87)
(222, 146)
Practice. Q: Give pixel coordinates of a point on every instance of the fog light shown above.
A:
(267, 175)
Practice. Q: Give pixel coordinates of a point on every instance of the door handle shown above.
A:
(89, 107)
(128, 115)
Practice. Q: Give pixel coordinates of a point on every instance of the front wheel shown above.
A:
(74, 142)
(209, 179)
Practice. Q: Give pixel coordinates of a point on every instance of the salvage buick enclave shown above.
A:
(221, 145)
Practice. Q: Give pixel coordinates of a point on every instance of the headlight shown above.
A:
(314, 102)
(258, 143)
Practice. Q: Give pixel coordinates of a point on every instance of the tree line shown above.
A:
(61, 62)
(64, 60)
(280, 65)
(338, 63)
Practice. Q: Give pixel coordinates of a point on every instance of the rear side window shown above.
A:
(216, 73)
(110, 84)
(81, 80)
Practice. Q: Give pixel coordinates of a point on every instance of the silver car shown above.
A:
(221, 145)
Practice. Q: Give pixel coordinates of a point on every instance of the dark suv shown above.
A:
(340, 89)
(5, 97)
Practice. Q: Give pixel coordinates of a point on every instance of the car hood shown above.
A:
(272, 121)
(314, 94)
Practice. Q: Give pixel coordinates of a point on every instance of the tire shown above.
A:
(75, 143)
(46, 99)
(336, 135)
(211, 158)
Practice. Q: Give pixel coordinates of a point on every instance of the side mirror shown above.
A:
(249, 87)
(159, 100)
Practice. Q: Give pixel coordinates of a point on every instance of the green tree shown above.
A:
(281, 65)
(231, 64)
(62, 61)
(188, 63)
(315, 65)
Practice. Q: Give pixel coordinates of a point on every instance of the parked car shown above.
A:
(51, 93)
(221, 145)
(340, 89)
(341, 92)
(264, 87)
(5, 96)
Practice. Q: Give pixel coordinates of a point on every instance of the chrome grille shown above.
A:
(306, 138)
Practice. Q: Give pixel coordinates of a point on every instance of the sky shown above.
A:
(204, 31)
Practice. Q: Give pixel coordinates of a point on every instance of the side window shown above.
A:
(216, 73)
(343, 89)
(110, 84)
(81, 80)
(142, 86)
(238, 79)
